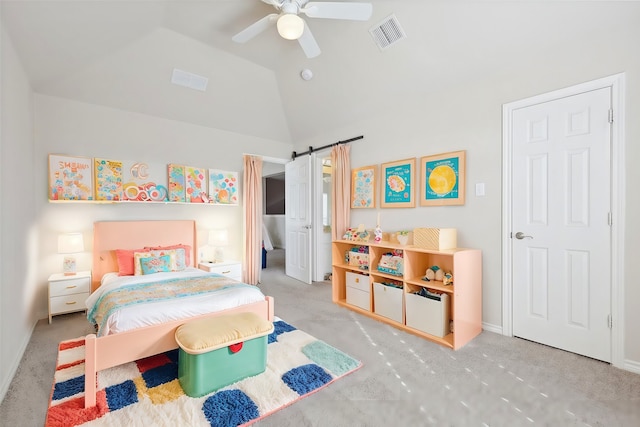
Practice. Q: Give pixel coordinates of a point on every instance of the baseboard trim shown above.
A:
(492, 328)
(631, 366)
(6, 382)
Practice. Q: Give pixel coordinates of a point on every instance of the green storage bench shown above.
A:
(218, 351)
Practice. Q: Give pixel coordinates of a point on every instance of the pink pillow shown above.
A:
(187, 251)
(125, 261)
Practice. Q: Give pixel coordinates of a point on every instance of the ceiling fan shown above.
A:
(292, 27)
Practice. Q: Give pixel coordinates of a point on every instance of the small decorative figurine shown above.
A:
(430, 274)
(448, 279)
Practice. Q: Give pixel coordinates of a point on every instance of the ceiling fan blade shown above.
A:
(308, 43)
(256, 28)
(335, 10)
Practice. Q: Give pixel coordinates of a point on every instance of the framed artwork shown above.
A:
(397, 184)
(144, 182)
(363, 187)
(108, 176)
(196, 187)
(177, 183)
(70, 178)
(223, 187)
(442, 179)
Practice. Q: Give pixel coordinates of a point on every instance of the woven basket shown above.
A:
(435, 238)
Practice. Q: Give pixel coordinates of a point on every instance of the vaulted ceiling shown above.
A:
(120, 53)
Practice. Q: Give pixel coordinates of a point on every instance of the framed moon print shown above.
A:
(442, 179)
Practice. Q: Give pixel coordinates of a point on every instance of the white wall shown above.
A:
(74, 128)
(18, 229)
(468, 117)
(276, 227)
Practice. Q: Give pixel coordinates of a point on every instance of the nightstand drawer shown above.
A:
(231, 270)
(70, 286)
(68, 303)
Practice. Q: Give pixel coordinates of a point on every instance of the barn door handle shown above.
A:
(520, 235)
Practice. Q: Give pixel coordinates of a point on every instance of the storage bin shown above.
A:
(428, 315)
(435, 238)
(358, 290)
(359, 259)
(387, 301)
(218, 351)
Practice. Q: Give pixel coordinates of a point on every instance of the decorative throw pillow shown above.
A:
(187, 252)
(125, 261)
(139, 255)
(155, 264)
(179, 255)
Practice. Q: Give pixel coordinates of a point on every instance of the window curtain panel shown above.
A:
(341, 194)
(252, 200)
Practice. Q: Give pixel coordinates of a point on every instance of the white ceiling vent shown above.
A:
(190, 80)
(387, 32)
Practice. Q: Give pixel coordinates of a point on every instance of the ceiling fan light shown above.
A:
(290, 26)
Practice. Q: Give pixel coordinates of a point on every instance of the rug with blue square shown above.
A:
(147, 392)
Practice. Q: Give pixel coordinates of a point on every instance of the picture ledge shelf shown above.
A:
(134, 202)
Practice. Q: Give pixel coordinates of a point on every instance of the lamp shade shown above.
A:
(290, 26)
(219, 237)
(70, 243)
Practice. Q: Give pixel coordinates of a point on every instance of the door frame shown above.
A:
(617, 83)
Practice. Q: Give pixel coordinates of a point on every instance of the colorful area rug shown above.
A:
(147, 392)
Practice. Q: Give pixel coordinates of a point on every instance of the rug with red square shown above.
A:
(147, 392)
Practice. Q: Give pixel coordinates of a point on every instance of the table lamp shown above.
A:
(70, 243)
(218, 239)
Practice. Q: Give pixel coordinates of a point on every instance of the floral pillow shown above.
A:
(180, 257)
(150, 254)
(155, 264)
(179, 263)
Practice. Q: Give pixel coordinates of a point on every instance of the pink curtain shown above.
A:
(341, 194)
(252, 200)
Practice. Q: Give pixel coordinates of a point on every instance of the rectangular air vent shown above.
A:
(190, 80)
(387, 32)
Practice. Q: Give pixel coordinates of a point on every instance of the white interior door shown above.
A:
(298, 222)
(561, 231)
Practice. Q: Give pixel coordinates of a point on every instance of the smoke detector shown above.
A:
(306, 74)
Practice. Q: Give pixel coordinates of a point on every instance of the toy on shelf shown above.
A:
(437, 274)
(392, 263)
(447, 279)
(358, 257)
(359, 234)
(378, 231)
(378, 234)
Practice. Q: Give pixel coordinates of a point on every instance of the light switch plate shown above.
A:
(480, 189)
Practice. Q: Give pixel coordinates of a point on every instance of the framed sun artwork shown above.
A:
(397, 183)
(363, 187)
(442, 179)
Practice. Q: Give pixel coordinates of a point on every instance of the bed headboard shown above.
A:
(111, 235)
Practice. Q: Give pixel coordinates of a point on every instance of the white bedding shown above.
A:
(140, 315)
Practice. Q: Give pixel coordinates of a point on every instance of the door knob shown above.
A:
(520, 235)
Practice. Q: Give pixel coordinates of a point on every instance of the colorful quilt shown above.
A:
(163, 290)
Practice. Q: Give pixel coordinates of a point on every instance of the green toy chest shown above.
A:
(220, 351)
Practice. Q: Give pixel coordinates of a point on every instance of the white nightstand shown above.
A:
(231, 269)
(68, 294)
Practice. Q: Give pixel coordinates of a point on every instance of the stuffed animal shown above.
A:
(447, 279)
(431, 273)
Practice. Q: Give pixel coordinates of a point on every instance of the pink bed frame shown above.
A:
(113, 350)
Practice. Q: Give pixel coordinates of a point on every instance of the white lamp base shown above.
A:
(218, 255)
(69, 266)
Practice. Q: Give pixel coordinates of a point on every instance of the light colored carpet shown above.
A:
(405, 380)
